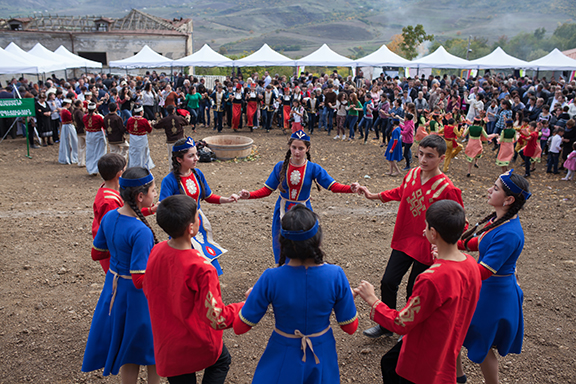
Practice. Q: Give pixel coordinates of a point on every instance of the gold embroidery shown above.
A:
(135, 125)
(246, 320)
(488, 267)
(416, 202)
(407, 314)
(214, 313)
(430, 270)
(436, 183)
(439, 192)
(174, 129)
(109, 127)
(349, 321)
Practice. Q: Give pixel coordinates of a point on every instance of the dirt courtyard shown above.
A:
(49, 285)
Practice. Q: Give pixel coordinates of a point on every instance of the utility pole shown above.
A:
(468, 50)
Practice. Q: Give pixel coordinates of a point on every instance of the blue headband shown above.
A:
(300, 135)
(507, 181)
(300, 235)
(188, 144)
(126, 183)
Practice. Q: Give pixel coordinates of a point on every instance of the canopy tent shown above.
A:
(43, 65)
(440, 58)
(324, 56)
(10, 63)
(205, 57)
(499, 59)
(146, 58)
(265, 57)
(554, 61)
(43, 53)
(82, 62)
(383, 57)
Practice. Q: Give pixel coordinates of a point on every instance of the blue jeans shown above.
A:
(490, 127)
(267, 116)
(311, 122)
(330, 118)
(367, 123)
(552, 162)
(322, 122)
(218, 120)
(351, 123)
(193, 115)
(125, 114)
(407, 153)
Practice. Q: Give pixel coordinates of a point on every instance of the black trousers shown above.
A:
(388, 365)
(214, 374)
(397, 267)
(312, 118)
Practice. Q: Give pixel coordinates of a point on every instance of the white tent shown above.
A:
(554, 61)
(440, 59)
(383, 57)
(146, 58)
(499, 59)
(44, 65)
(43, 53)
(205, 57)
(265, 57)
(324, 56)
(10, 63)
(80, 61)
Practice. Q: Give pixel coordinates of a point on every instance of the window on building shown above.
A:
(100, 57)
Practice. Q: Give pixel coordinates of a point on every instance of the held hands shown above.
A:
(366, 291)
(355, 187)
(247, 293)
(244, 194)
(232, 199)
(363, 190)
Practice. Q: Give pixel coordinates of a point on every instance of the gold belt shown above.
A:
(306, 342)
(115, 287)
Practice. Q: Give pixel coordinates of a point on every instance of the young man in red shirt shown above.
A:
(421, 187)
(436, 317)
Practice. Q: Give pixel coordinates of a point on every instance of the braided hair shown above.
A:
(129, 194)
(301, 218)
(176, 168)
(515, 207)
(287, 162)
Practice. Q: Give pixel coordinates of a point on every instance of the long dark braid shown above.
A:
(129, 194)
(515, 207)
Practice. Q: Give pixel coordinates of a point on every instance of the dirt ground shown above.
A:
(49, 285)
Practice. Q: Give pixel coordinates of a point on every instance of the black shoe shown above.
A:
(526, 175)
(461, 379)
(376, 332)
(34, 146)
(467, 175)
(476, 166)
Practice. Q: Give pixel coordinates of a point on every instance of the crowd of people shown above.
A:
(161, 304)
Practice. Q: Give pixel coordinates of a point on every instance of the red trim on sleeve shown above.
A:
(484, 272)
(147, 211)
(213, 199)
(240, 327)
(262, 192)
(340, 188)
(473, 244)
(348, 328)
(99, 255)
(137, 279)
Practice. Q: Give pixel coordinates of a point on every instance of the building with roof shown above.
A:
(99, 38)
(571, 53)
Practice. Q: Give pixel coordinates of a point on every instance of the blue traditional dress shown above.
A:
(297, 184)
(304, 308)
(196, 187)
(396, 136)
(498, 320)
(121, 332)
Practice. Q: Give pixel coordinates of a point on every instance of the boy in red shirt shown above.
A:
(532, 149)
(420, 188)
(436, 317)
(186, 308)
(453, 148)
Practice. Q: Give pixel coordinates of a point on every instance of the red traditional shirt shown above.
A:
(450, 135)
(186, 310)
(93, 122)
(66, 116)
(414, 199)
(530, 149)
(434, 321)
(139, 126)
(106, 200)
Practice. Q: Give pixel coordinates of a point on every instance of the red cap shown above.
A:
(238, 86)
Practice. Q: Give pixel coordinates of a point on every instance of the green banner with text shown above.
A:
(16, 107)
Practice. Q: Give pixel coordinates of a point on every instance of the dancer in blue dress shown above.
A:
(294, 177)
(302, 348)
(120, 336)
(394, 148)
(498, 321)
(185, 178)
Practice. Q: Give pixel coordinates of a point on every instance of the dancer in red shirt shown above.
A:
(421, 187)
(436, 317)
(186, 308)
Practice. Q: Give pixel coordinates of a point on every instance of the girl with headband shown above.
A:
(498, 320)
(120, 338)
(301, 348)
(187, 180)
(294, 177)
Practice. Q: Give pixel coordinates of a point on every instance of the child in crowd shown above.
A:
(554, 150)
(474, 147)
(523, 132)
(407, 127)
(394, 148)
(120, 338)
(421, 187)
(435, 124)
(186, 309)
(341, 104)
(570, 163)
(437, 314)
(296, 113)
(531, 152)
(506, 143)
(453, 148)
(302, 348)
